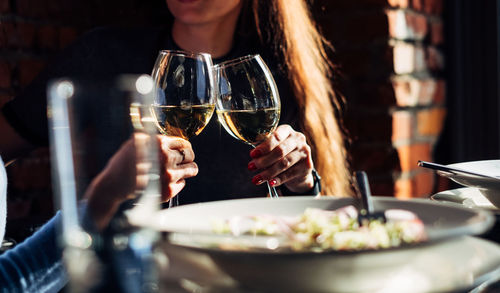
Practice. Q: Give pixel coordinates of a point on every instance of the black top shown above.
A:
(105, 53)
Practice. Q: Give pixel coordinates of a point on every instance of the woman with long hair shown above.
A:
(281, 31)
(288, 38)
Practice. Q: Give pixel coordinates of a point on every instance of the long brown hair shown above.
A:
(287, 26)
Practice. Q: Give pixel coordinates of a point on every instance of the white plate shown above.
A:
(441, 220)
(456, 265)
(467, 196)
(489, 187)
(440, 265)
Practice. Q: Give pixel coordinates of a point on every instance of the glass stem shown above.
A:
(173, 202)
(272, 191)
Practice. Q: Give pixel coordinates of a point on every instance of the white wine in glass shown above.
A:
(248, 104)
(184, 97)
(250, 126)
(182, 121)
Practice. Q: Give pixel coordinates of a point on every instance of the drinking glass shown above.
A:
(90, 120)
(184, 100)
(248, 104)
(184, 96)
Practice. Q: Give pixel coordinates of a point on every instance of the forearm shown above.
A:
(100, 205)
(35, 265)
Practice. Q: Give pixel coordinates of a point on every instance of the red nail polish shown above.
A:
(255, 153)
(251, 166)
(257, 180)
(273, 182)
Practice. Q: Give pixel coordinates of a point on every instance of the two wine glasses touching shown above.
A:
(189, 88)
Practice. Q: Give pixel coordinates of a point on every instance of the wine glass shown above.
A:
(184, 99)
(248, 104)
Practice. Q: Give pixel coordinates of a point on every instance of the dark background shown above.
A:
(472, 128)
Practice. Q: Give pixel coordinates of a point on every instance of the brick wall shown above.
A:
(389, 54)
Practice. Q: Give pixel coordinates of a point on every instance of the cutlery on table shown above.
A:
(367, 211)
(453, 170)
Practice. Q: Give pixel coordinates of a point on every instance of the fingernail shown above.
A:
(251, 166)
(257, 180)
(255, 153)
(273, 182)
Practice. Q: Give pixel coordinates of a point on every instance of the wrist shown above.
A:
(311, 186)
(101, 206)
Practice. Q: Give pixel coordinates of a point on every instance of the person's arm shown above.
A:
(35, 265)
(12, 145)
(127, 171)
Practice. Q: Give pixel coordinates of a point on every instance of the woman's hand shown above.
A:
(177, 161)
(284, 158)
(127, 172)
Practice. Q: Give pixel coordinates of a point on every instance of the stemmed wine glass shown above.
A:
(184, 97)
(248, 104)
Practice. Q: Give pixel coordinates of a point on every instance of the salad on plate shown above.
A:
(321, 230)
